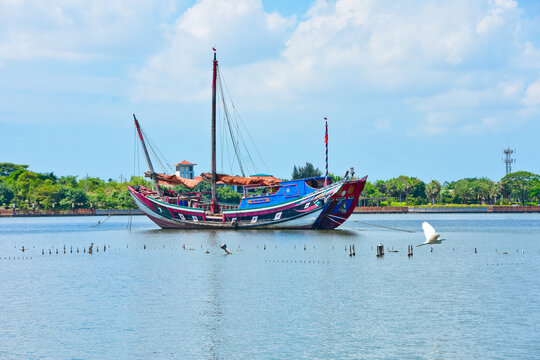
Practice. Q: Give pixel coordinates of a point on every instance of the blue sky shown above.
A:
(432, 89)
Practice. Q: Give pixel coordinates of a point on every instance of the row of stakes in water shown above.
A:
(380, 250)
(90, 249)
(352, 252)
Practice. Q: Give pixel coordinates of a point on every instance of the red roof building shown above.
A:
(184, 170)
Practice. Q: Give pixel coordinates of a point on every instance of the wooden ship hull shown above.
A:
(321, 209)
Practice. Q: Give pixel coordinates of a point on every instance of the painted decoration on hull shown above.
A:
(325, 208)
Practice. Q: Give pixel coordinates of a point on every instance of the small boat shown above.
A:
(314, 203)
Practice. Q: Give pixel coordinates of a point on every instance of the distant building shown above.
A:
(184, 170)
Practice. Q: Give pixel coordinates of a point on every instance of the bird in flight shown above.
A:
(432, 237)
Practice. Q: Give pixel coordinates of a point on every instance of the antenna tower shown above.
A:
(508, 159)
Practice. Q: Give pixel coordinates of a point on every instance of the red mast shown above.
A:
(213, 202)
(152, 173)
(326, 143)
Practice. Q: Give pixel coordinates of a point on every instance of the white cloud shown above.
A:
(508, 92)
(427, 56)
(393, 46)
(446, 63)
(529, 58)
(482, 126)
(242, 32)
(76, 29)
(532, 95)
(459, 109)
(496, 17)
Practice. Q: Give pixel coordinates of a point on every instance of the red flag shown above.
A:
(326, 133)
(214, 48)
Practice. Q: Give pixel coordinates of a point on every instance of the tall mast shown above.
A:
(152, 172)
(214, 75)
(326, 144)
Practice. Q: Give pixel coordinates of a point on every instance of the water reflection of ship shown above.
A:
(214, 311)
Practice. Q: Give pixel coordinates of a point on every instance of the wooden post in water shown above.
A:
(224, 247)
(380, 250)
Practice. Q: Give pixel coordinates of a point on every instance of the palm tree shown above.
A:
(433, 189)
(463, 190)
(485, 188)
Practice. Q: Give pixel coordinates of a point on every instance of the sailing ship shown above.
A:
(313, 203)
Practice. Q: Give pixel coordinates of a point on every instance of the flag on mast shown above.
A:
(326, 143)
(326, 132)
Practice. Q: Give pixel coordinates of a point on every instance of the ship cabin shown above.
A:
(256, 196)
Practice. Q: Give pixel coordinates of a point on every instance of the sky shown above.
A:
(431, 89)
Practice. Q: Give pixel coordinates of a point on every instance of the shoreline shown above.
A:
(357, 210)
(74, 212)
(445, 210)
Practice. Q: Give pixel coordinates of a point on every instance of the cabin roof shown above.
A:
(184, 163)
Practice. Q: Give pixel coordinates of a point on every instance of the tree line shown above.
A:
(28, 189)
(521, 187)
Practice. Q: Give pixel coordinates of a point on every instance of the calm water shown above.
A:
(274, 303)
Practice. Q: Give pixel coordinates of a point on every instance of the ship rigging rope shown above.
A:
(234, 127)
(234, 139)
(365, 223)
(158, 154)
(223, 140)
(237, 128)
(136, 159)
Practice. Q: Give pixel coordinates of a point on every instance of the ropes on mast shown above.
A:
(234, 139)
(233, 125)
(157, 153)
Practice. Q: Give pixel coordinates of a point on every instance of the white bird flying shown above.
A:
(431, 236)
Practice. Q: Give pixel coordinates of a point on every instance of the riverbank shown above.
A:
(72, 212)
(445, 209)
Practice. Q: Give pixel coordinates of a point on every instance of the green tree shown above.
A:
(7, 168)
(533, 193)
(306, 171)
(521, 182)
(69, 180)
(71, 196)
(91, 184)
(371, 190)
(46, 194)
(203, 186)
(25, 184)
(381, 187)
(6, 194)
(433, 190)
(226, 194)
(395, 188)
(419, 188)
(463, 190)
(333, 177)
(504, 191)
(485, 189)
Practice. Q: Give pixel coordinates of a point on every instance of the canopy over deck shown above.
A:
(239, 180)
